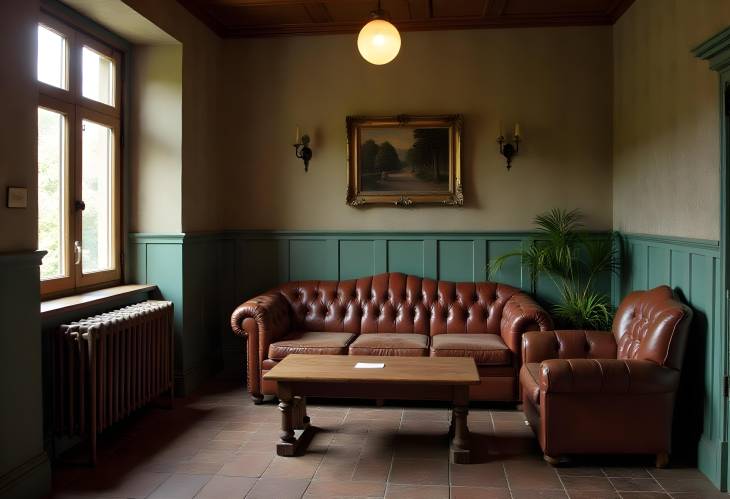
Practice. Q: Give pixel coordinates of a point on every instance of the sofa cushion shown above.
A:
(312, 343)
(530, 381)
(485, 349)
(395, 344)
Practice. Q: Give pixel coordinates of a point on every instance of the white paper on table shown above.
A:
(369, 365)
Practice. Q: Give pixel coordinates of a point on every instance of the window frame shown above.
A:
(76, 108)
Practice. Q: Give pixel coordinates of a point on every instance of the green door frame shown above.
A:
(716, 50)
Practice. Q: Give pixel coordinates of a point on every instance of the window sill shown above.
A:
(49, 308)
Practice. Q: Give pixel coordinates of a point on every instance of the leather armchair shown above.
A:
(392, 314)
(601, 392)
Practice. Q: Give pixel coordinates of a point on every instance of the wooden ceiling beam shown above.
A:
(419, 25)
(494, 8)
(618, 8)
(268, 3)
(322, 21)
(318, 12)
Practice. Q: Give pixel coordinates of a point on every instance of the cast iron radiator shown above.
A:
(106, 366)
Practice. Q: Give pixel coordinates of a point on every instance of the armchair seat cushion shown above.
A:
(530, 382)
(311, 342)
(395, 344)
(485, 349)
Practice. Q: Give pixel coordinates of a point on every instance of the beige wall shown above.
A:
(155, 141)
(200, 61)
(666, 136)
(18, 128)
(555, 82)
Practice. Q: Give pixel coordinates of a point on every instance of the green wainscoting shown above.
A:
(186, 269)
(267, 258)
(692, 268)
(24, 468)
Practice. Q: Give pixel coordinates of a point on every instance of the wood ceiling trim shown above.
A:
(322, 23)
(618, 9)
(195, 9)
(419, 25)
(494, 7)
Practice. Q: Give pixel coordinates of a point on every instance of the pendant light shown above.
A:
(378, 41)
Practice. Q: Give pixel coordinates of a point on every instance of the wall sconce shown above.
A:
(302, 150)
(508, 150)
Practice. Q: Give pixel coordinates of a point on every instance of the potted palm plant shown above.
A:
(573, 260)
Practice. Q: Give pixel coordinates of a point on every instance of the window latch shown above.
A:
(80, 205)
(77, 252)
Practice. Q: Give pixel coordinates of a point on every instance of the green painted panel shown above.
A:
(511, 272)
(311, 259)
(21, 386)
(356, 259)
(480, 260)
(380, 256)
(406, 257)
(702, 300)
(692, 268)
(660, 268)
(456, 260)
(258, 266)
(639, 271)
(137, 268)
(547, 290)
(430, 259)
(680, 270)
(165, 269)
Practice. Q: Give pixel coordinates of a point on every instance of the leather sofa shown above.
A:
(392, 314)
(601, 392)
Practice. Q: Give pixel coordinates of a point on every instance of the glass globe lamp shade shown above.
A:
(378, 42)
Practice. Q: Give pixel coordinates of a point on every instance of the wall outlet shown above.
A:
(17, 197)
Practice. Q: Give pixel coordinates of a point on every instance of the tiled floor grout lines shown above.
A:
(565, 489)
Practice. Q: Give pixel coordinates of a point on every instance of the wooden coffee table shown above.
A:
(402, 378)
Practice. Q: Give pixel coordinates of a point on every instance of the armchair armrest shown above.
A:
(261, 320)
(521, 313)
(607, 376)
(568, 344)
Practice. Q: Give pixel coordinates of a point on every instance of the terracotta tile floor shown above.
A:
(220, 445)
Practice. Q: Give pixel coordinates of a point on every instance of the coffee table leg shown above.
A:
(286, 446)
(293, 417)
(301, 420)
(460, 452)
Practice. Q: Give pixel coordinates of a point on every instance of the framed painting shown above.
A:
(404, 160)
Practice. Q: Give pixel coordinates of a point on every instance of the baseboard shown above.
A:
(30, 480)
(712, 461)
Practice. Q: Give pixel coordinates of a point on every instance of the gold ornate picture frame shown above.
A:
(404, 160)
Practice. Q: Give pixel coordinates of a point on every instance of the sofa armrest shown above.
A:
(568, 344)
(261, 320)
(270, 311)
(521, 314)
(606, 376)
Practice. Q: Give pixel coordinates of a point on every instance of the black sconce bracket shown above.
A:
(508, 150)
(303, 152)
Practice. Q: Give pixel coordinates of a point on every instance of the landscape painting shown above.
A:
(404, 160)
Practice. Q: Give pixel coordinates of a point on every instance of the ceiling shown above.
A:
(246, 18)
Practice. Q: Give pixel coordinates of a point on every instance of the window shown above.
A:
(78, 159)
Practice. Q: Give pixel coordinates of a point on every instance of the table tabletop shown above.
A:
(341, 369)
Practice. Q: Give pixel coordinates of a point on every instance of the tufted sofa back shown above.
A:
(652, 325)
(397, 303)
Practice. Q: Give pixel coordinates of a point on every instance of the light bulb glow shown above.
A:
(378, 42)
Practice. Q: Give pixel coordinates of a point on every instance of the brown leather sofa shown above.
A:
(392, 314)
(600, 392)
